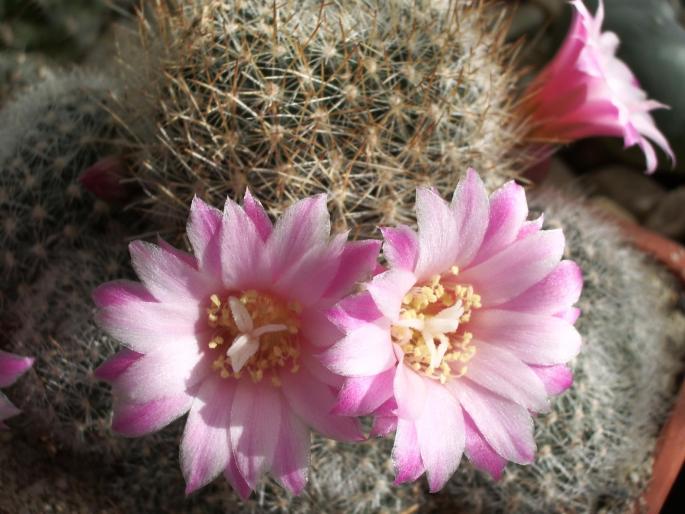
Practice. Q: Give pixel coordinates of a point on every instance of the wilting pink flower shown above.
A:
(586, 91)
(463, 336)
(229, 335)
(11, 368)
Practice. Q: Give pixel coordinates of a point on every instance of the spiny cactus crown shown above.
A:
(364, 101)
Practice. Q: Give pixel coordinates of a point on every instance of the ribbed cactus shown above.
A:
(363, 100)
(595, 446)
(48, 136)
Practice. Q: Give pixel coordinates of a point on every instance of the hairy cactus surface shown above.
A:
(363, 100)
(595, 446)
(63, 404)
(19, 70)
(48, 136)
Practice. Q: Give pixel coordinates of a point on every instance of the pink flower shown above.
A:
(586, 91)
(11, 368)
(229, 334)
(463, 336)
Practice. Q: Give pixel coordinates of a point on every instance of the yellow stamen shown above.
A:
(268, 335)
(430, 330)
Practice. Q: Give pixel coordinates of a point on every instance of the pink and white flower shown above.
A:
(464, 336)
(586, 91)
(229, 334)
(11, 368)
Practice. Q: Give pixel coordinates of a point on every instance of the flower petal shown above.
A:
(363, 395)
(137, 419)
(438, 234)
(556, 292)
(365, 351)
(400, 247)
(205, 447)
(389, 288)
(12, 367)
(516, 268)
(356, 263)
(508, 212)
(318, 330)
(204, 233)
(569, 315)
(504, 374)
(410, 392)
(120, 292)
(303, 226)
(291, 458)
(166, 276)
(313, 402)
(532, 338)
(471, 209)
(531, 227)
(307, 279)
(189, 260)
(506, 426)
(385, 419)
(480, 453)
(162, 373)
(406, 454)
(233, 476)
(113, 367)
(147, 326)
(440, 434)
(253, 438)
(242, 250)
(556, 378)
(354, 311)
(254, 210)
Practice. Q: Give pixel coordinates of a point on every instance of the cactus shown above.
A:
(48, 136)
(19, 70)
(63, 404)
(364, 103)
(595, 446)
(363, 100)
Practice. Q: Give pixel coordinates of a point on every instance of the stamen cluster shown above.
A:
(274, 324)
(434, 312)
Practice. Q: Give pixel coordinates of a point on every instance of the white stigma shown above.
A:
(246, 344)
(434, 328)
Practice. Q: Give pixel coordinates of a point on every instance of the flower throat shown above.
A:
(430, 331)
(254, 333)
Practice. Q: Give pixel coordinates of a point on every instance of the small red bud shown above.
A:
(104, 179)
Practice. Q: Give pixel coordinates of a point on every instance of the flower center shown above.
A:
(254, 333)
(430, 330)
